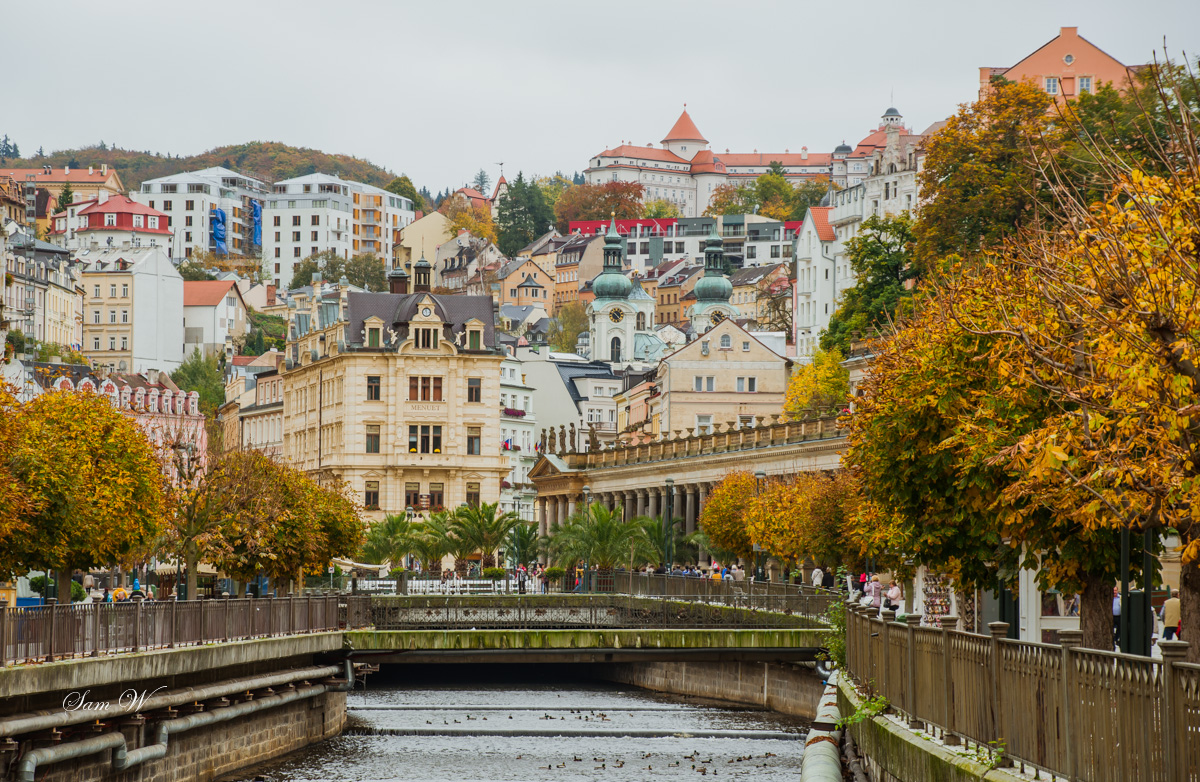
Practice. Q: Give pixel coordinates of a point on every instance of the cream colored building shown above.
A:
(724, 376)
(398, 394)
(132, 309)
(421, 237)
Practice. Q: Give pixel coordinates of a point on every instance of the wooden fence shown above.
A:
(52, 632)
(1082, 714)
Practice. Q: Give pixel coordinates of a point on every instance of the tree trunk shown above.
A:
(1189, 604)
(1095, 612)
(191, 562)
(63, 579)
(487, 560)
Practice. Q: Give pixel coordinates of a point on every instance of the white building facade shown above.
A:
(518, 439)
(189, 199)
(324, 213)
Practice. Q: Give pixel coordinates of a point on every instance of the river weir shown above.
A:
(538, 723)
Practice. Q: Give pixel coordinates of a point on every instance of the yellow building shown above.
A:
(726, 376)
(86, 184)
(420, 237)
(763, 295)
(522, 282)
(398, 394)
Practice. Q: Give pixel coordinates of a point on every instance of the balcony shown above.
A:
(512, 412)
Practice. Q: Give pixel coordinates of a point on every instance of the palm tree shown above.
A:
(600, 537)
(483, 528)
(435, 540)
(390, 540)
(524, 543)
(674, 547)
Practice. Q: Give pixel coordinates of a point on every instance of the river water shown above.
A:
(539, 724)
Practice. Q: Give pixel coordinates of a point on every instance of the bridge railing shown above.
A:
(52, 632)
(1084, 714)
(799, 599)
(570, 612)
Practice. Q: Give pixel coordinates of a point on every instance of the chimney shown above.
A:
(804, 153)
(66, 169)
(91, 170)
(1068, 32)
(104, 168)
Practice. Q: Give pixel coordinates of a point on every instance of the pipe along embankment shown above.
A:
(124, 758)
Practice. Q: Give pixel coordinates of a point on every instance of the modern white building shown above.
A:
(132, 309)
(214, 315)
(191, 199)
(518, 439)
(320, 212)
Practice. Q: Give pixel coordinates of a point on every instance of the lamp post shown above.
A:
(409, 513)
(759, 477)
(585, 581)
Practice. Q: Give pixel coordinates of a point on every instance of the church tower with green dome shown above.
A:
(712, 291)
(621, 316)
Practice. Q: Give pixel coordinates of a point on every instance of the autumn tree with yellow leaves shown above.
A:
(819, 385)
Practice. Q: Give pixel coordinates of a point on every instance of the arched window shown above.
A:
(641, 321)
(726, 342)
(614, 353)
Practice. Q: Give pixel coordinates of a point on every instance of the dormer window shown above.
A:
(373, 338)
(110, 219)
(426, 339)
(474, 339)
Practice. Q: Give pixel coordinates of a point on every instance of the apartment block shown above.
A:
(191, 201)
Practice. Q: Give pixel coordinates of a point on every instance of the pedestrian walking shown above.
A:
(1116, 616)
(818, 576)
(1171, 616)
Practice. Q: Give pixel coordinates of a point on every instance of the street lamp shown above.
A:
(759, 477)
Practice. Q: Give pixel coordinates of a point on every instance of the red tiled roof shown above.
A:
(205, 293)
(241, 361)
(121, 205)
(684, 130)
(765, 158)
(59, 175)
(706, 163)
(820, 219)
(643, 153)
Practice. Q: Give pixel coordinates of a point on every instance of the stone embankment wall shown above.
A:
(206, 754)
(788, 688)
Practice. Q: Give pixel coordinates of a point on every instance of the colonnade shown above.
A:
(687, 502)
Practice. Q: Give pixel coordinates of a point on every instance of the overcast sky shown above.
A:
(442, 88)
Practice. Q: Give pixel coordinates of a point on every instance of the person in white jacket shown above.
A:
(817, 576)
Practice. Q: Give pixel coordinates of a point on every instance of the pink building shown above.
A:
(1064, 67)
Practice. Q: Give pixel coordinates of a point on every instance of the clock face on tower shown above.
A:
(717, 317)
(616, 316)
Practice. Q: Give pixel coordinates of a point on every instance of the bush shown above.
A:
(397, 572)
(38, 584)
(494, 573)
(555, 572)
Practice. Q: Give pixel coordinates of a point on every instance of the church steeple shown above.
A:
(612, 282)
(421, 274)
(714, 286)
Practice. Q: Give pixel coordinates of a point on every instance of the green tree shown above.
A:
(881, 256)
(483, 529)
(202, 375)
(46, 350)
(598, 202)
(66, 196)
(192, 270)
(570, 320)
(481, 182)
(808, 193)
(327, 262)
(523, 544)
(595, 535)
(366, 271)
(523, 216)
(660, 208)
(403, 186)
(390, 540)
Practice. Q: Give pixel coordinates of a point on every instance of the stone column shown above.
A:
(703, 499)
(543, 521)
(689, 518)
(630, 505)
(640, 502)
(653, 510)
(570, 508)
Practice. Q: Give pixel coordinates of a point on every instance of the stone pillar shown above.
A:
(640, 504)
(562, 510)
(653, 503)
(570, 508)
(630, 505)
(703, 498)
(543, 521)
(689, 518)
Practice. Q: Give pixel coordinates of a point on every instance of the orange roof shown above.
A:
(205, 293)
(643, 153)
(765, 159)
(820, 220)
(59, 174)
(684, 130)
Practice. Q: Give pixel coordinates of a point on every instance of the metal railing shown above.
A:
(53, 632)
(582, 612)
(1081, 713)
